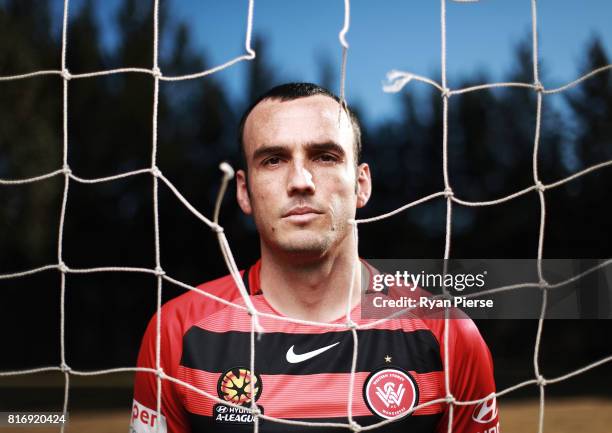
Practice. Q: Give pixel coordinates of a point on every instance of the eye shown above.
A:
(327, 157)
(271, 161)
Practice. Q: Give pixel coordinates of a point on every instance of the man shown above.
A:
(302, 183)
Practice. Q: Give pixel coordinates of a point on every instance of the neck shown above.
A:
(312, 289)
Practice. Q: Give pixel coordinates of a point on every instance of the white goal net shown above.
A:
(397, 80)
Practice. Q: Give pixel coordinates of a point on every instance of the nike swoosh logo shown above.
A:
(295, 358)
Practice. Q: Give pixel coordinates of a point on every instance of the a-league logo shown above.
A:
(238, 386)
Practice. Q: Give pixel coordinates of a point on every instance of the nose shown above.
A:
(300, 180)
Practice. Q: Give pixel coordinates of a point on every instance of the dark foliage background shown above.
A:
(491, 140)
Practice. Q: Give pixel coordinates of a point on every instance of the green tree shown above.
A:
(591, 105)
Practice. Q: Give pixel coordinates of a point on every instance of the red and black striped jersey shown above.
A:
(303, 372)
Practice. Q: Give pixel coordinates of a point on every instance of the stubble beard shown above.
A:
(306, 243)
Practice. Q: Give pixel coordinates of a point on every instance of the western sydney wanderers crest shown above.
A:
(390, 392)
(238, 386)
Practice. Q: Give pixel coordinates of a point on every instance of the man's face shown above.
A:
(303, 182)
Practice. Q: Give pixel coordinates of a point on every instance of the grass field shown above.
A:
(584, 415)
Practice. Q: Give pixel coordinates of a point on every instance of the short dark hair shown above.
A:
(291, 91)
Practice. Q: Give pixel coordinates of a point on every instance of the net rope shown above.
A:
(397, 80)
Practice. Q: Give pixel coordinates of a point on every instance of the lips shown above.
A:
(301, 214)
(301, 210)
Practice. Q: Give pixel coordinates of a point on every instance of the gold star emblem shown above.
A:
(387, 358)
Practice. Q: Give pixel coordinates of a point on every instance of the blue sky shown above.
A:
(385, 35)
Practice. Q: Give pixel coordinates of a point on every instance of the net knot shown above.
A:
(445, 295)
(66, 75)
(538, 87)
(159, 271)
(450, 399)
(155, 171)
(256, 411)
(156, 72)
(448, 192)
(541, 380)
(65, 368)
(446, 92)
(62, 267)
(540, 186)
(228, 171)
(351, 324)
(160, 373)
(543, 284)
(217, 228)
(66, 170)
(355, 426)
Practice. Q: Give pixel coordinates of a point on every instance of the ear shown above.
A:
(242, 192)
(364, 184)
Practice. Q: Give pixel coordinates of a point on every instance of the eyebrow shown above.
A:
(269, 150)
(327, 146)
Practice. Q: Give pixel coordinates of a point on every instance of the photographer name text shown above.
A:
(431, 303)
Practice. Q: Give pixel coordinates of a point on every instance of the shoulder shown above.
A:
(465, 343)
(199, 302)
